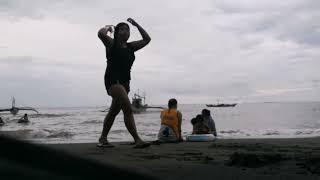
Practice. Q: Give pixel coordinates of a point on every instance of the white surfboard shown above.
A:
(200, 137)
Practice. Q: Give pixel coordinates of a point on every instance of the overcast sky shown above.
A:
(201, 51)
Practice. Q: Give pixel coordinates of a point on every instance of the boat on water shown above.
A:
(221, 105)
(138, 106)
(14, 110)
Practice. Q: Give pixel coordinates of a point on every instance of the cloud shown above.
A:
(278, 92)
(200, 51)
(295, 20)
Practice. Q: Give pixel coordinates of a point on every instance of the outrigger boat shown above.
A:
(221, 105)
(14, 110)
(138, 106)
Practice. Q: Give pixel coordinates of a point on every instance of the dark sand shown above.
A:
(222, 159)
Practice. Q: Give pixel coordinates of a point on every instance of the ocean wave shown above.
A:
(235, 133)
(48, 115)
(230, 131)
(37, 135)
(25, 134)
(273, 133)
(48, 130)
(119, 131)
(15, 133)
(61, 134)
(149, 134)
(42, 134)
(306, 132)
(92, 122)
(269, 133)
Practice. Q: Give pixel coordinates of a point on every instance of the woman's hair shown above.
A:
(172, 102)
(193, 121)
(206, 112)
(199, 118)
(116, 31)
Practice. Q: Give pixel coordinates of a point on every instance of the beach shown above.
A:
(296, 158)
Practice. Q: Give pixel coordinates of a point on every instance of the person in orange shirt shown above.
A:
(171, 120)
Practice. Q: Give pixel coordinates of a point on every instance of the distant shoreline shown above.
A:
(107, 104)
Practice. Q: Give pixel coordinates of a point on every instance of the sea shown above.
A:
(246, 120)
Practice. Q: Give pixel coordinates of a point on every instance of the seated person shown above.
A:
(171, 120)
(198, 125)
(1, 121)
(24, 119)
(203, 124)
(208, 121)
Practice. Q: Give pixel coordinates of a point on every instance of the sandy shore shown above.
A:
(222, 159)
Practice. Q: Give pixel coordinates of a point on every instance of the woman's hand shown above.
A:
(133, 22)
(104, 37)
(136, 45)
(109, 28)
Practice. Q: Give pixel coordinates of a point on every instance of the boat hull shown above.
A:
(221, 105)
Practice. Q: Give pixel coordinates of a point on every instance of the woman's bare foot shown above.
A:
(141, 145)
(104, 143)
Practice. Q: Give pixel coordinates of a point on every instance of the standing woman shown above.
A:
(120, 57)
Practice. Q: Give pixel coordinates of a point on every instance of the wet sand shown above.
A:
(222, 159)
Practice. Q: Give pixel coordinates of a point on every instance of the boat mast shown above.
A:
(13, 102)
(144, 98)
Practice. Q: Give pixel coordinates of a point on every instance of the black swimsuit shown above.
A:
(119, 63)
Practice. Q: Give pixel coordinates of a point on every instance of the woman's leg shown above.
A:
(123, 99)
(109, 119)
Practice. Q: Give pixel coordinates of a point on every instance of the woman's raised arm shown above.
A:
(136, 45)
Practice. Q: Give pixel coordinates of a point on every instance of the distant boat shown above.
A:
(137, 106)
(14, 110)
(221, 105)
